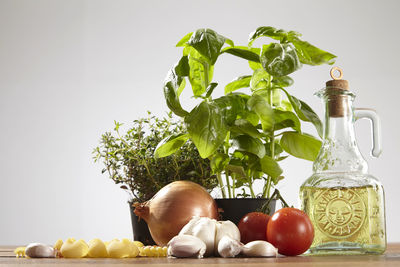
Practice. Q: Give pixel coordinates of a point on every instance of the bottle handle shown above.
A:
(371, 114)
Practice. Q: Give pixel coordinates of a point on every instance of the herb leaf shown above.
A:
(302, 146)
(279, 59)
(208, 43)
(206, 127)
(172, 85)
(240, 82)
(170, 145)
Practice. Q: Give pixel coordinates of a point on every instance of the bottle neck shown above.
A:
(339, 151)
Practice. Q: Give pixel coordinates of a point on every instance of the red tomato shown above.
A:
(290, 231)
(253, 226)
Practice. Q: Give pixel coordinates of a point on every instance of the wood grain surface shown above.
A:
(390, 258)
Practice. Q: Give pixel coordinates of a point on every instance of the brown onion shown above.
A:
(173, 206)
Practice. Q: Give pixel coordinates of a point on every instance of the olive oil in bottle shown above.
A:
(345, 204)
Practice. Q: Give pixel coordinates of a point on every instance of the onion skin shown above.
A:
(172, 208)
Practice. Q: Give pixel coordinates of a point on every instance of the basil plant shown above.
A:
(244, 135)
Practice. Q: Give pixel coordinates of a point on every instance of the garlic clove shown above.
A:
(203, 228)
(38, 250)
(228, 247)
(259, 248)
(225, 228)
(186, 246)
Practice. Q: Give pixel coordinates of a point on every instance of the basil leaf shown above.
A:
(210, 89)
(279, 59)
(200, 73)
(284, 119)
(264, 111)
(305, 112)
(240, 82)
(311, 55)
(207, 129)
(270, 167)
(184, 40)
(239, 170)
(249, 144)
(302, 146)
(283, 81)
(173, 85)
(229, 42)
(218, 162)
(182, 68)
(170, 145)
(230, 106)
(268, 31)
(277, 148)
(242, 126)
(259, 80)
(242, 52)
(208, 43)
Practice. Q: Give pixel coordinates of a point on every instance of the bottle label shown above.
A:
(339, 213)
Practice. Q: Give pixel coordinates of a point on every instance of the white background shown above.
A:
(68, 69)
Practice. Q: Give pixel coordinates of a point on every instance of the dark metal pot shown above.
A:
(233, 209)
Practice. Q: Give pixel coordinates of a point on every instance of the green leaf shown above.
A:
(229, 42)
(218, 162)
(242, 52)
(249, 144)
(279, 59)
(270, 167)
(264, 111)
(230, 106)
(305, 112)
(207, 128)
(277, 148)
(184, 40)
(240, 82)
(283, 81)
(302, 146)
(311, 55)
(242, 126)
(208, 43)
(200, 73)
(172, 85)
(170, 145)
(239, 170)
(267, 31)
(182, 67)
(254, 65)
(259, 79)
(284, 119)
(210, 89)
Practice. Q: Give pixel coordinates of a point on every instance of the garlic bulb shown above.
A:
(186, 246)
(259, 248)
(228, 247)
(225, 228)
(38, 250)
(204, 228)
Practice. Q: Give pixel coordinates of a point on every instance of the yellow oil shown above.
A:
(346, 220)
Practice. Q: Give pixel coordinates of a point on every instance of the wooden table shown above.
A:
(390, 258)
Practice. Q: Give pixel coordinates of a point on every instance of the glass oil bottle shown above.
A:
(344, 202)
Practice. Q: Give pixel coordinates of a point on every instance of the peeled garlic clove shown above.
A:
(38, 250)
(186, 246)
(225, 228)
(259, 248)
(228, 247)
(204, 228)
